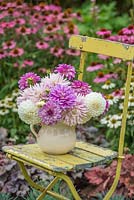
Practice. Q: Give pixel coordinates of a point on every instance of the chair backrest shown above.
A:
(115, 49)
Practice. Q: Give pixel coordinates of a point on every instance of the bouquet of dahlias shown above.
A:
(58, 98)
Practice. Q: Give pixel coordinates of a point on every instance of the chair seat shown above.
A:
(84, 155)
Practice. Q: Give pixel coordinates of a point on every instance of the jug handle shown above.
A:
(33, 130)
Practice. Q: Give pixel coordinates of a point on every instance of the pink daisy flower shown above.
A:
(1, 31)
(100, 78)
(104, 33)
(56, 51)
(42, 45)
(117, 61)
(28, 79)
(9, 44)
(129, 30)
(23, 30)
(20, 21)
(103, 57)
(2, 54)
(72, 52)
(94, 67)
(16, 52)
(29, 62)
(111, 75)
(118, 93)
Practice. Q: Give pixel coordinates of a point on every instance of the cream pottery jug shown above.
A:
(55, 139)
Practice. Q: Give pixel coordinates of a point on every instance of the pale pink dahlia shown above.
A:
(36, 93)
(81, 87)
(54, 79)
(50, 113)
(64, 96)
(28, 79)
(67, 70)
(78, 114)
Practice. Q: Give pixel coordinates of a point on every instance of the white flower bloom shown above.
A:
(131, 101)
(105, 120)
(28, 112)
(2, 103)
(96, 104)
(4, 111)
(108, 85)
(114, 122)
(112, 99)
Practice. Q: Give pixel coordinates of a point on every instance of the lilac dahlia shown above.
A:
(64, 96)
(67, 70)
(81, 87)
(28, 79)
(50, 113)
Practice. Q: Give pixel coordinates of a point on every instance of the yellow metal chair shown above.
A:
(84, 155)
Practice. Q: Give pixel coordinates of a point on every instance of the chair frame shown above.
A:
(85, 45)
(119, 50)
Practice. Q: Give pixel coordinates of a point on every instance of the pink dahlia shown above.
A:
(63, 95)
(81, 87)
(50, 113)
(28, 79)
(35, 93)
(67, 70)
(78, 114)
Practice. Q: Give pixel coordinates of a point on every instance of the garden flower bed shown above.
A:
(34, 38)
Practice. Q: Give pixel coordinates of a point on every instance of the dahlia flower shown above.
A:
(28, 112)
(67, 70)
(36, 93)
(54, 79)
(50, 113)
(96, 104)
(63, 95)
(78, 114)
(28, 79)
(81, 87)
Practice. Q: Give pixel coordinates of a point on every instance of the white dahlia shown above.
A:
(28, 112)
(96, 104)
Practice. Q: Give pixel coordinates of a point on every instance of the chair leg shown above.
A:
(49, 187)
(70, 185)
(115, 183)
(28, 178)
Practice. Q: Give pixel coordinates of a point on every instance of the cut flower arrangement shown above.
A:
(58, 98)
(57, 103)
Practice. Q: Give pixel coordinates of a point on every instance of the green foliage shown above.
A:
(104, 18)
(5, 196)
(115, 197)
(33, 194)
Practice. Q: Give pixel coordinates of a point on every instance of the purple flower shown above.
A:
(50, 113)
(67, 70)
(64, 96)
(81, 87)
(28, 79)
